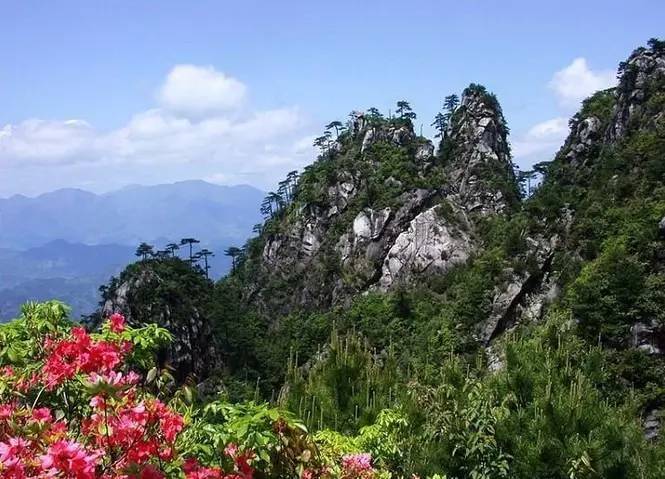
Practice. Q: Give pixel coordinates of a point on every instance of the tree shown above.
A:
(190, 242)
(656, 45)
(440, 123)
(258, 228)
(162, 254)
(323, 142)
(144, 250)
(292, 177)
(277, 199)
(205, 253)
(233, 252)
(450, 103)
(266, 208)
(284, 190)
(337, 125)
(524, 179)
(404, 110)
(374, 116)
(172, 248)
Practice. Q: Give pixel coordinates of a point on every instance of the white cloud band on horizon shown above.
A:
(206, 125)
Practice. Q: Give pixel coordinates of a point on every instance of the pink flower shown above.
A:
(117, 323)
(6, 411)
(12, 450)
(357, 466)
(231, 450)
(42, 414)
(193, 470)
(69, 459)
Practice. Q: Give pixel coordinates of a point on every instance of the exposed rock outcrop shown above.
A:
(347, 242)
(150, 292)
(643, 69)
(428, 246)
(481, 168)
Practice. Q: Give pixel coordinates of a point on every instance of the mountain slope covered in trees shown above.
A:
(413, 291)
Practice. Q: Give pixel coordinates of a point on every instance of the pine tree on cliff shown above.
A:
(144, 251)
(205, 253)
(190, 242)
(234, 253)
(440, 124)
(336, 125)
(172, 248)
(450, 103)
(404, 110)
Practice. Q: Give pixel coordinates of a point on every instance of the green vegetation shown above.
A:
(449, 376)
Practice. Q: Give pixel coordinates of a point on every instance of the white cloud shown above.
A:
(196, 91)
(570, 85)
(237, 145)
(42, 141)
(549, 129)
(540, 141)
(577, 81)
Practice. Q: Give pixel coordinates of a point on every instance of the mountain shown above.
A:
(222, 214)
(66, 243)
(71, 272)
(413, 298)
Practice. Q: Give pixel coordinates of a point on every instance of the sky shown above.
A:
(101, 94)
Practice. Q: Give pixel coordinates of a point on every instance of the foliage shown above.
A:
(71, 407)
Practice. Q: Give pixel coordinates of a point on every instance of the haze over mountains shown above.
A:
(66, 243)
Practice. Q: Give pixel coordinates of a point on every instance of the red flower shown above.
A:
(69, 459)
(117, 323)
(42, 414)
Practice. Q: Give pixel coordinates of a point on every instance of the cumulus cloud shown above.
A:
(577, 81)
(201, 125)
(570, 85)
(194, 90)
(541, 140)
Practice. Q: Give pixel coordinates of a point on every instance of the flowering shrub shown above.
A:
(72, 407)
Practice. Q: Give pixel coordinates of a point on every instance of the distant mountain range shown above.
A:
(130, 215)
(66, 243)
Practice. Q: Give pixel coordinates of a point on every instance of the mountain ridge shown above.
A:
(129, 216)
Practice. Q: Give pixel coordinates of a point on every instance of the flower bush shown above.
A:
(72, 405)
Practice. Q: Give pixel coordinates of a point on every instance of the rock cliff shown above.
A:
(379, 208)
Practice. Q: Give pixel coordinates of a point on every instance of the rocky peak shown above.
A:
(609, 115)
(372, 128)
(478, 154)
(642, 75)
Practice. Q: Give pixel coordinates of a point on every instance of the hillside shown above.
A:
(415, 292)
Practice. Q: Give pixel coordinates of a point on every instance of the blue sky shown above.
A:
(101, 94)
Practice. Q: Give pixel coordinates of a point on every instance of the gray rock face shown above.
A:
(647, 337)
(522, 296)
(428, 246)
(652, 425)
(584, 135)
(369, 224)
(292, 250)
(642, 68)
